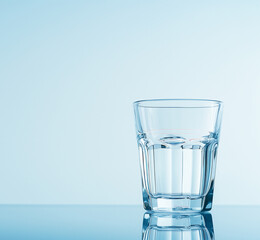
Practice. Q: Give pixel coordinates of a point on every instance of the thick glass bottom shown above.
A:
(178, 205)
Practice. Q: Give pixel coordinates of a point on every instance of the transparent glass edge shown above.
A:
(217, 103)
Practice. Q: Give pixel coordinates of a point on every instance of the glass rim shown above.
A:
(178, 103)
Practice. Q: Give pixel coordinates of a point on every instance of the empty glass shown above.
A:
(178, 141)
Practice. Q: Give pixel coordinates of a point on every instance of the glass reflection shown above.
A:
(168, 226)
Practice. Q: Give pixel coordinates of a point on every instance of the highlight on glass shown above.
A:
(178, 142)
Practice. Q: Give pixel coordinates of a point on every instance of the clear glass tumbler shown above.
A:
(178, 142)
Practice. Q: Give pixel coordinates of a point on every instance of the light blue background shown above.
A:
(116, 223)
(70, 71)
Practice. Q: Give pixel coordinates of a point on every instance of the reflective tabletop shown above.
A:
(126, 222)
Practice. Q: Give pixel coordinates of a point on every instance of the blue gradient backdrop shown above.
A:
(70, 71)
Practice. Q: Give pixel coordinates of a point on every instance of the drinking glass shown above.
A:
(178, 142)
(198, 226)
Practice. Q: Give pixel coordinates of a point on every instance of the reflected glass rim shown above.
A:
(154, 103)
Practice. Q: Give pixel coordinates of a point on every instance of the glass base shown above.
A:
(177, 205)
